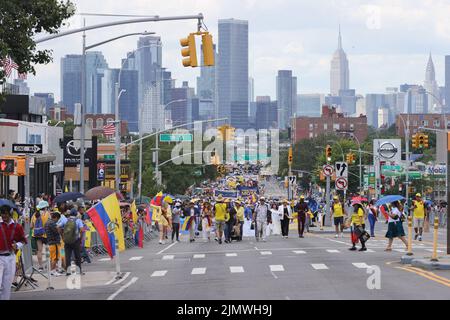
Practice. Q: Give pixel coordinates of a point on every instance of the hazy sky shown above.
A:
(387, 41)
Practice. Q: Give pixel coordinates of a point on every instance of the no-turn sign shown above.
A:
(341, 183)
(327, 170)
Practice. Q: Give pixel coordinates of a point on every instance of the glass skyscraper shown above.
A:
(286, 97)
(71, 81)
(232, 72)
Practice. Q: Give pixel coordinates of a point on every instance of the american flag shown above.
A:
(8, 64)
(109, 129)
(23, 76)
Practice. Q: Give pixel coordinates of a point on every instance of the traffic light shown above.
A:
(21, 167)
(189, 51)
(421, 140)
(415, 141)
(350, 158)
(229, 133)
(290, 157)
(328, 152)
(208, 49)
(426, 143)
(7, 166)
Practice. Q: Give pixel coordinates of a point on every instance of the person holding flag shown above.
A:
(206, 220)
(189, 223)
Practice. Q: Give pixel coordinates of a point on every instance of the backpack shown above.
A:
(39, 230)
(70, 234)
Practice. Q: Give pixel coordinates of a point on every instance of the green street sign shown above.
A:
(175, 137)
(109, 157)
(252, 157)
(396, 168)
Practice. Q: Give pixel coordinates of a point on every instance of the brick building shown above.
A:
(416, 120)
(330, 122)
(95, 121)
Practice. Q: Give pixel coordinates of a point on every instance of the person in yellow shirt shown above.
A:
(337, 211)
(357, 226)
(240, 217)
(220, 215)
(418, 208)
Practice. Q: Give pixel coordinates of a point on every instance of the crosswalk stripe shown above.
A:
(333, 251)
(237, 269)
(104, 259)
(400, 250)
(370, 250)
(319, 266)
(266, 253)
(135, 258)
(198, 271)
(299, 252)
(159, 273)
(431, 250)
(360, 265)
(168, 257)
(231, 254)
(199, 256)
(276, 268)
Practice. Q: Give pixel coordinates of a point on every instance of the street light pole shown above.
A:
(82, 112)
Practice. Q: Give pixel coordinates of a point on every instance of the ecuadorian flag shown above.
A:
(187, 223)
(104, 212)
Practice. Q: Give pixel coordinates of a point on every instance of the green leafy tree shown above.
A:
(20, 21)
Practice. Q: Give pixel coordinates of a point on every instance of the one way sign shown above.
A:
(27, 148)
(341, 170)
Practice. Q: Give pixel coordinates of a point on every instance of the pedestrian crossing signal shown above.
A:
(7, 166)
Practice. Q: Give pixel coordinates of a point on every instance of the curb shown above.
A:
(426, 263)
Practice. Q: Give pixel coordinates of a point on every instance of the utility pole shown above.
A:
(82, 112)
(407, 163)
(117, 138)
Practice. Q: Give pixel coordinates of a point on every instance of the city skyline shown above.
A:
(304, 47)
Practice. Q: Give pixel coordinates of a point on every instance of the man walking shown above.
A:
(302, 210)
(418, 207)
(71, 231)
(285, 213)
(190, 214)
(262, 218)
(337, 211)
(12, 238)
(220, 212)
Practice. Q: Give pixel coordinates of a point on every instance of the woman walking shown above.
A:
(38, 222)
(285, 213)
(372, 217)
(176, 213)
(395, 225)
(206, 220)
(357, 226)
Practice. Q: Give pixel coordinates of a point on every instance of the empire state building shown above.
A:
(339, 79)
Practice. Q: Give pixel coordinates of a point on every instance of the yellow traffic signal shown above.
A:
(290, 157)
(350, 158)
(189, 51)
(415, 140)
(328, 152)
(426, 143)
(208, 49)
(421, 140)
(21, 167)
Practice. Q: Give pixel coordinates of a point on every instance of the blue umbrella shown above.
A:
(9, 203)
(68, 196)
(389, 199)
(312, 204)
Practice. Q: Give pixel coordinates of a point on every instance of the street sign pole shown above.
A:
(327, 207)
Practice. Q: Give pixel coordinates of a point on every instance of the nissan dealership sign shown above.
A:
(388, 149)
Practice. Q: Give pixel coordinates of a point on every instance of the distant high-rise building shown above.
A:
(383, 117)
(109, 80)
(310, 105)
(95, 62)
(432, 88)
(447, 83)
(266, 113)
(373, 103)
(416, 100)
(251, 89)
(286, 98)
(232, 72)
(206, 83)
(348, 101)
(340, 73)
(71, 81)
(23, 87)
(49, 99)
(128, 102)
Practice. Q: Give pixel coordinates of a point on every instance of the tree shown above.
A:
(20, 21)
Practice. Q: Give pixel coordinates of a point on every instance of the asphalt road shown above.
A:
(315, 267)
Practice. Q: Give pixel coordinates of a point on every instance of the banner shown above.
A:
(247, 191)
(226, 193)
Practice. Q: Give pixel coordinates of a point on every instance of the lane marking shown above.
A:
(198, 271)
(135, 258)
(111, 281)
(231, 254)
(266, 253)
(237, 269)
(399, 250)
(159, 273)
(104, 259)
(276, 268)
(319, 266)
(430, 276)
(167, 248)
(168, 257)
(333, 251)
(133, 280)
(123, 278)
(431, 250)
(199, 256)
(361, 265)
(369, 250)
(299, 252)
